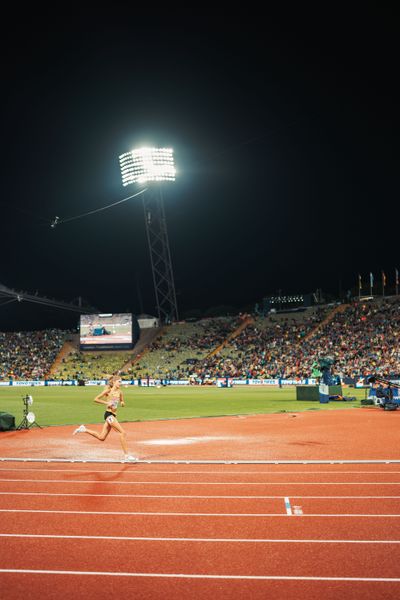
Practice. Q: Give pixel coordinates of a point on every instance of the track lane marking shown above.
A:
(144, 461)
(176, 539)
(191, 514)
(287, 506)
(225, 483)
(200, 576)
(193, 496)
(221, 472)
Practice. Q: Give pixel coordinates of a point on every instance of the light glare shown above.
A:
(147, 164)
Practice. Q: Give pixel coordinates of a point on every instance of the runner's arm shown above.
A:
(98, 399)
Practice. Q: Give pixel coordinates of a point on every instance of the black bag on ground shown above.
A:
(390, 406)
(7, 422)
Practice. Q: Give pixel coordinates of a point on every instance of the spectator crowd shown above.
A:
(362, 338)
(29, 354)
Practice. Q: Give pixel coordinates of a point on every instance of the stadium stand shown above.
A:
(72, 363)
(338, 309)
(91, 365)
(183, 344)
(29, 354)
(69, 347)
(362, 338)
(247, 320)
(262, 349)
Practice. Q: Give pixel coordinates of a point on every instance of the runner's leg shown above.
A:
(122, 435)
(104, 432)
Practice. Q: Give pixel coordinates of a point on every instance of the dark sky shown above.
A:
(285, 129)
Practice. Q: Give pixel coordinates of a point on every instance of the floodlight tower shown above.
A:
(152, 166)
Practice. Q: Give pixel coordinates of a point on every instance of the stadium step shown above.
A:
(338, 309)
(247, 321)
(147, 337)
(68, 347)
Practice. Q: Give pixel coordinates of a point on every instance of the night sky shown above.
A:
(285, 130)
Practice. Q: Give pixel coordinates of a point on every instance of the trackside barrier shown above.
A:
(151, 382)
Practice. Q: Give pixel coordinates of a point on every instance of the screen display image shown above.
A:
(106, 330)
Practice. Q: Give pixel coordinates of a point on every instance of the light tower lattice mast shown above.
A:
(153, 166)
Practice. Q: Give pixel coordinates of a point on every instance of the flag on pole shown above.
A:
(359, 283)
(371, 280)
(383, 279)
(397, 276)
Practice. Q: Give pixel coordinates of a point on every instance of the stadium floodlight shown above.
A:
(154, 166)
(147, 164)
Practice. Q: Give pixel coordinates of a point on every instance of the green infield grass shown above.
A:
(74, 405)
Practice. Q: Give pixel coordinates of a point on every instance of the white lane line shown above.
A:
(225, 483)
(221, 472)
(176, 539)
(199, 576)
(384, 461)
(189, 514)
(288, 507)
(194, 496)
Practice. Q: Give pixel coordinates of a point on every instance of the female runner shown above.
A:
(111, 397)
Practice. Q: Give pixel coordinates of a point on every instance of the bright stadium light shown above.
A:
(147, 164)
(155, 166)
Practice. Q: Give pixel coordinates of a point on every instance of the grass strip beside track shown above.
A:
(70, 405)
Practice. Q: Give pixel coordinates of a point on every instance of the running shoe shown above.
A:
(130, 458)
(80, 429)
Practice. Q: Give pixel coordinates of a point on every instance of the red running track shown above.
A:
(188, 531)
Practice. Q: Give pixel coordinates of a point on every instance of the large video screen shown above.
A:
(106, 331)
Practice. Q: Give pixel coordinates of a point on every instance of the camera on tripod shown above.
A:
(29, 419)
(385, 392)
